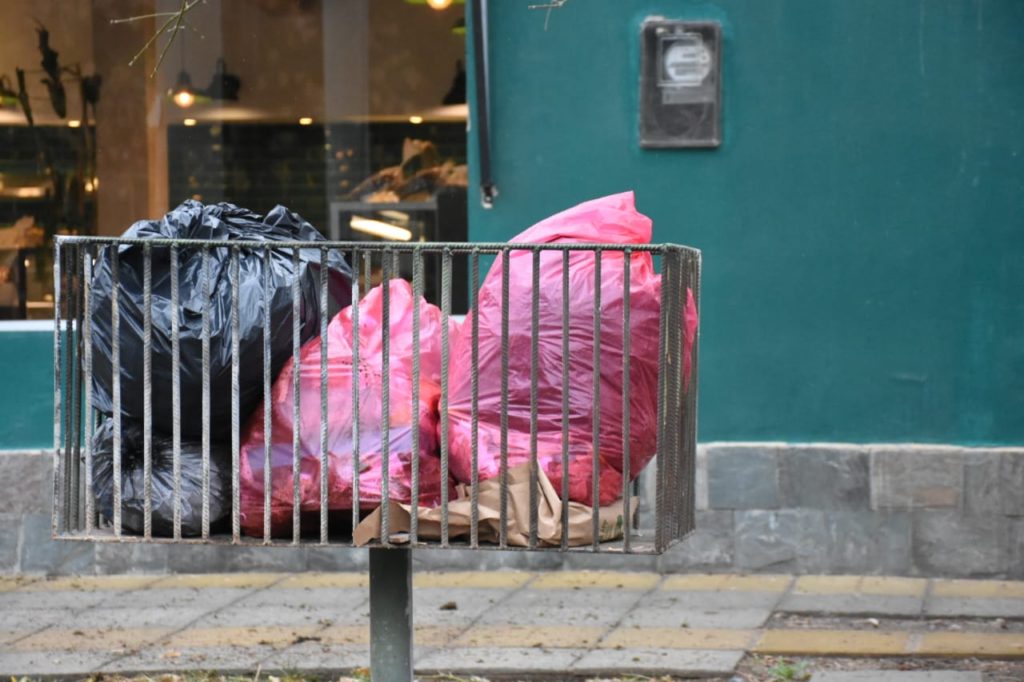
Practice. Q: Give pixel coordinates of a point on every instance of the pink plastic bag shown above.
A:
(611, 219)
(340, 416)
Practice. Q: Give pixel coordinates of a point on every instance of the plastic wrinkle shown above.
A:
(133, 480)
(611, 219)
(340, 374)
(228, 223)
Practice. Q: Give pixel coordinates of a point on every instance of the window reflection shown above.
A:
(350, 112)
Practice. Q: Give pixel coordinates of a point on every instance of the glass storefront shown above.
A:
(350, 112)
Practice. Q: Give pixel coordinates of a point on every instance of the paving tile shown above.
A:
(320, 580)
(551, 637)
(853, 604)
(348, 606)
(978, 588)
(209, 599)
(106, 618)
(982, 608)
(275, 636)
(898, 676)
(908, 587)
(111, 583)
(435, 635)
(328, 597)
(346, 634)
(568, 607)
(832, 643)
(561, 580)
(697, 618)
(855, 584)
(53, 639)
(223, 659)
(18, 663)
(976, 644)
(678, 638)
(469, 604)
(423, 635)
(242, 581)
(826, 584)
(14, 582)
(464, 579)
(672, 609)
(64, 599)
(730, 583)
(498, 660)
(718, 600)
(317, 656)
(689, 662)
(879, 585)
(27, 621)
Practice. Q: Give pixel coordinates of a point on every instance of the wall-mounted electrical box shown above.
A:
(680, 83)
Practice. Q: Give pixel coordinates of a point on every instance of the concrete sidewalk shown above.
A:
(498, 622)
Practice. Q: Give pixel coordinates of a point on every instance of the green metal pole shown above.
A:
(391, 614)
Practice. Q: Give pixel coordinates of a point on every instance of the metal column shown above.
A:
(390, 614)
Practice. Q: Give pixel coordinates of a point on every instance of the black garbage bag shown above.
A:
(133, 480)
(222, 223)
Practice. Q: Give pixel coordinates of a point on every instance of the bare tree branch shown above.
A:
(174, 25)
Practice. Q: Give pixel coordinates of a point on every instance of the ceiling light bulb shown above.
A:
(189, 122)
(74, 123)
(439, 4)
(305, 121)
(415, 120)
(184, 99)
(380, 229)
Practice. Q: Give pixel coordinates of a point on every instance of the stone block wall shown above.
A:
(880, 509)
(761, 507)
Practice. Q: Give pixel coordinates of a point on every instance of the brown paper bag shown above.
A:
(549, 516)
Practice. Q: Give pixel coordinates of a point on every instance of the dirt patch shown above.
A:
(756, 668)
(790, 621)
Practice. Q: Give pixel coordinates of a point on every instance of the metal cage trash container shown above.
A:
(75, 513)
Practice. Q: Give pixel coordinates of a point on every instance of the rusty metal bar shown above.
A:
(385, 400)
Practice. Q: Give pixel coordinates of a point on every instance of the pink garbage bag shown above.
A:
(340, 416)
(611, 219)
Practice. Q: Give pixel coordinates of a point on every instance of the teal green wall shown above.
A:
(862, 223)
(26, 398)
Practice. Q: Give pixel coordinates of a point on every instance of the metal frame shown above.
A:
(76, 517)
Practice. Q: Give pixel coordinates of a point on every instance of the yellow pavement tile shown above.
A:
(855, 584)
(727, 583)
(482, 579)
(699, 582)
(826, 584)
(317, 580)
(11, 635)
(832, 643)
(986, 589)
(551, 637)
(275, 636)
(424, 635)
(435, 635)
(230, 580)
(985, 644)
(678, 638)
(89, 640)
(91, 583)
(595, 579)
(757, 583)
(14, 582)
(346, 634)
(896, 587)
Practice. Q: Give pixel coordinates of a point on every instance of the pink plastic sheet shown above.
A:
(611, 219)
(340, 416)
